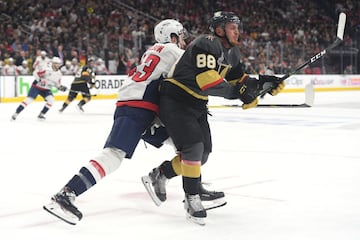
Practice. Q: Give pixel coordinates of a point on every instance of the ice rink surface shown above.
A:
(288, 173)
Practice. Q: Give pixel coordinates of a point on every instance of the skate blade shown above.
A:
(148, 185)
(61, 214)
(208, 205)
(79, 109)
(199, 221)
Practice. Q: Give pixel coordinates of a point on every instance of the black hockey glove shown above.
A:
(274, 84)
(247, 92)
(62, 88)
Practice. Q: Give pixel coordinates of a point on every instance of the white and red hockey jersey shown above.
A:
(47, 78)
(140, 89)
(9, 70)
(41, 62)
(23, 69)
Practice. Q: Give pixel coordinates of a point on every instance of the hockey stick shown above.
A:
(339, 39)
(309, 100)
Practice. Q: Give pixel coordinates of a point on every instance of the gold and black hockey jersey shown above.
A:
(85, 75)
(206, 68)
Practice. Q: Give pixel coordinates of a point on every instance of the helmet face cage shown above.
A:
(166, 28)
(221, 18)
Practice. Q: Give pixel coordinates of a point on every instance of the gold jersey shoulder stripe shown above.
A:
(186, 89)
(208, 78)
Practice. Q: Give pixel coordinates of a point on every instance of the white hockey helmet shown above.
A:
(56, 60)
(164, 29)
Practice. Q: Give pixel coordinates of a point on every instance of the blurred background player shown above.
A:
(10, 68)
(66, 68)
(23, 69)
(84, 80)
(45, 79)
(136, 109)
(42, 61)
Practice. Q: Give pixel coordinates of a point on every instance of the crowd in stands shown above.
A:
(276, 35)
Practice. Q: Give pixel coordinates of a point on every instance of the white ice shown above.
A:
(288, 174)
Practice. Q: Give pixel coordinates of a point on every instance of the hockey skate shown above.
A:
(211, 199)
(155, 184)
(195, 211)
(62, 207)
(14, 116)
(80, 108)
(41, 117)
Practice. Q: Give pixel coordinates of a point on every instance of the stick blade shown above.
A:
(341, 26)
(309, 95)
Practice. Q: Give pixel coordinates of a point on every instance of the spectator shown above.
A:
(100, 68)
(122, 62)
(21, 56)
(290, 32)
(66, 68)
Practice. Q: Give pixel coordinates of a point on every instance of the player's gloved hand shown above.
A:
(247, 91)
(274, 83)
(250, 105)
(62, 88)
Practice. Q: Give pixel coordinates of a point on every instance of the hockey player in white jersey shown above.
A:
(45, 79)
(23, 69)
(137, 107)
(42, 61)
(10, 68)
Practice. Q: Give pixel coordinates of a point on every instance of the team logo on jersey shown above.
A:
(223, 67)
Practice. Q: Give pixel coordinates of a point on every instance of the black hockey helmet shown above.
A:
(221, 18)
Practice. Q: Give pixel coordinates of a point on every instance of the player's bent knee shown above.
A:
(50, 99)
(28, 100)
(110, 159)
